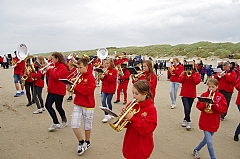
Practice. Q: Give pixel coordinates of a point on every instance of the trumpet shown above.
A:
(135, 77)
(221, 74)
(43, 70)
(122, 121)
(208, 108)
(78, 80)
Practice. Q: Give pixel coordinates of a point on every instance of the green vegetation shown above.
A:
(199, 49)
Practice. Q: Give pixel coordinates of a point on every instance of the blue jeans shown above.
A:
(108, 97)
(173, 91)
(237, 132)
(207, 140)
(187, 104)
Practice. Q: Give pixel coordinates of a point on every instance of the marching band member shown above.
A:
(28, 83)
(189, 82)
(123, 81)
(175, 70)
(209, 122)
(84, 105)
(226, 80)
(138, 140)
(149, 75)
(38, 85)
(109, 84)
(18, 67)
(56, 89)
(122, 59)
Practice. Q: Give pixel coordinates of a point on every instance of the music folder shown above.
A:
(132, 70)
(105, 109)
(205, 100)
(66, 81)
(99, 70)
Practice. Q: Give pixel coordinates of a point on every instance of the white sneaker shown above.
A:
(173, 106)
(37, 111)
(196, 154)
(110, 117)
(80, 149)
(188, 127)
(184, 123)
(53, 127)
(64, 124)
(105, 119)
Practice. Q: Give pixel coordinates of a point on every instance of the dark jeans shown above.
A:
(58, 99)
(108, 97)
(237, 132)
(28, 86)
(37, 96)
(228, 97)
(187, 104)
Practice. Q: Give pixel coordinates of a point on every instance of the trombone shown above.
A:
(78, 80)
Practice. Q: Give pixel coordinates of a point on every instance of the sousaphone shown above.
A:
(102, 53)
(22, 52)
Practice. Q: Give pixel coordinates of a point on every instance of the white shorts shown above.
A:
(78, 113)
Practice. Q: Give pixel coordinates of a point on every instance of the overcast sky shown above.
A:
(67, 25)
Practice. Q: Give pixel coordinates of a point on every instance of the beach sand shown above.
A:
(24, 135)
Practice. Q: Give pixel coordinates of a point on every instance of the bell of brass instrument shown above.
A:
(122, 121)
(208, 108)
(188, 69)
(78, 79)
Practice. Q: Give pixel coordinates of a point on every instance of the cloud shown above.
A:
(60, 25)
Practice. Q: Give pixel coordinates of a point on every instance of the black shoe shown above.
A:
(29, 104)
(33, 101)
(235, 138)
(125, 102)
(69, 98)
(116, 101)
(204, 82)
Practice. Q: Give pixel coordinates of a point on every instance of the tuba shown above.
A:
(208, 108)
(122, 121)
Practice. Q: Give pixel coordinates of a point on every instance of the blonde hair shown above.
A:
(213, 81)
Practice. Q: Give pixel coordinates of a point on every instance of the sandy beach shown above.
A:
(24, 135)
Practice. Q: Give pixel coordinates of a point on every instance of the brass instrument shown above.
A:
(25, 75)
(43, 69)
(208, 108)
(188, 69)
(78, 80)
(122, 121)
(171, 69)
(221, 73)
(120, 71)
(21, 53)
(136, 76)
